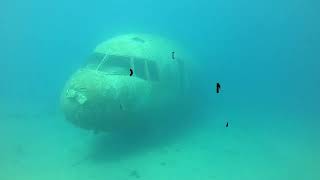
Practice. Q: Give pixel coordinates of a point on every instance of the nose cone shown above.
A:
(91, 102)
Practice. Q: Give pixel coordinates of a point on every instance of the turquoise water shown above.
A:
(265, 55)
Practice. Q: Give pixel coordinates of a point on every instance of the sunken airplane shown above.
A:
(129, 81)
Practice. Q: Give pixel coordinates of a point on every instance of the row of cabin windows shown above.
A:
(120, 65)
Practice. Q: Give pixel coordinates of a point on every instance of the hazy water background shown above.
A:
(265, 54)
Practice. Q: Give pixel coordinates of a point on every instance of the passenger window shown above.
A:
(93, 60)
(153, 71)
(139, 68)
(117, 65)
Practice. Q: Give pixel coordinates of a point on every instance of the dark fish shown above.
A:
(218, 87)
(131, 72)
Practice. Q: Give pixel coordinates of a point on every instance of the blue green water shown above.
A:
(265, 54)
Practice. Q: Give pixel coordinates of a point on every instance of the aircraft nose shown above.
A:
(92, 102)
(86, 87)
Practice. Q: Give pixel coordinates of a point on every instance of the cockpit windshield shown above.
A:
(110, 64)
(93, 60)
(116, 65)
(121, 65)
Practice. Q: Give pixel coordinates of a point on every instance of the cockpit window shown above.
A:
(120, 65)
(153, 71)
(117, 65)
(93, 60)
(139, 68)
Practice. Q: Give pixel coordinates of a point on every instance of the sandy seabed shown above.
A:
(45, 147)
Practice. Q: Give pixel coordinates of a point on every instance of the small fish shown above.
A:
(218, 87)
(131, 72)
(227, 125)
